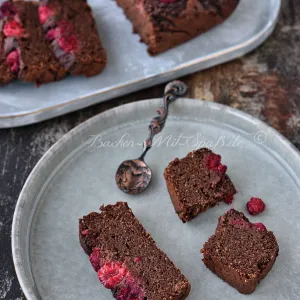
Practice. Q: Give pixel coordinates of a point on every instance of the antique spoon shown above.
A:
(133, 176)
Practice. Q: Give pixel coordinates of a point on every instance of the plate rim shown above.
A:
(212, 59)
(28, 290)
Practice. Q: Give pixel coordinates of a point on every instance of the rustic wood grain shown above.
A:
(265, 84)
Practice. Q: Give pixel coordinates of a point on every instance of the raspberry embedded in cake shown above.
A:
(111, 274)
(198, 182)
(13, 29)
(240, 252)
(255, 206)
(45, 13)
(68, 43)
(96, 258)
(213, 162)
(13, 61)
(7, 10)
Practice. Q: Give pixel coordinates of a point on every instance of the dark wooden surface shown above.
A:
(265, 84)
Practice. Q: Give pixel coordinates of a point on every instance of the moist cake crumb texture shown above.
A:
(198, 182)
(240, 252)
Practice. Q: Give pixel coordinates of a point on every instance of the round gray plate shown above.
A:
(76, 176)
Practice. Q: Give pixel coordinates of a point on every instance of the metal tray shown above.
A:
(130, 68)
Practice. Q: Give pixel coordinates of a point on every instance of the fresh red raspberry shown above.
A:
(260, 226)
(96, 259)
(13, 29)
(13, 61)
(213, 162)
(7, 10)
(255, 206)
(111, 274)
(45, 13)
(229, 199)
(68, 43)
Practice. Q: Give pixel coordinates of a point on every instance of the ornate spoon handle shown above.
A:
(173, 91)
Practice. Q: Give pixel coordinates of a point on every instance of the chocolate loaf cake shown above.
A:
(28, 53)
(241, 253)
(163, 24)
(198, 182)
(127, 259)
(8, 63)
(71, 29)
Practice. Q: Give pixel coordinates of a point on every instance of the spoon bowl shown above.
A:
(133, 176)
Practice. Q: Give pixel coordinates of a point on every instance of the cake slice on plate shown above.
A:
(71, 29)
(198, 182)
(240, 252)
(163, 24)
(126, 257)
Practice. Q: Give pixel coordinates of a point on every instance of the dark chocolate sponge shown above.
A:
(198, 182)
(240, 252)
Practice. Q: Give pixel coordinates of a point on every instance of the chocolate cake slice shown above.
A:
(198, 182)
(8, 65)
(127, 259)
(163, 24)
(71, 29)
(240, 252)
(27, 52)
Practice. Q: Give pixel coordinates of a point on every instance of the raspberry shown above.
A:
(68, 43)
(13, 29)
(85, 232)
(242, 223)
(111, 274)
(255, 206)
(96, 259)
(260, 226)
(129, 290)
(52, 34)
(229, 199)
(137, 259)
(7, 10)
(65, 27)
(45, 13)
(213, 162)
(13, 61)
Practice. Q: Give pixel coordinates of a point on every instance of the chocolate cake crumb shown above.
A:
(198, 182)
(240, 252)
